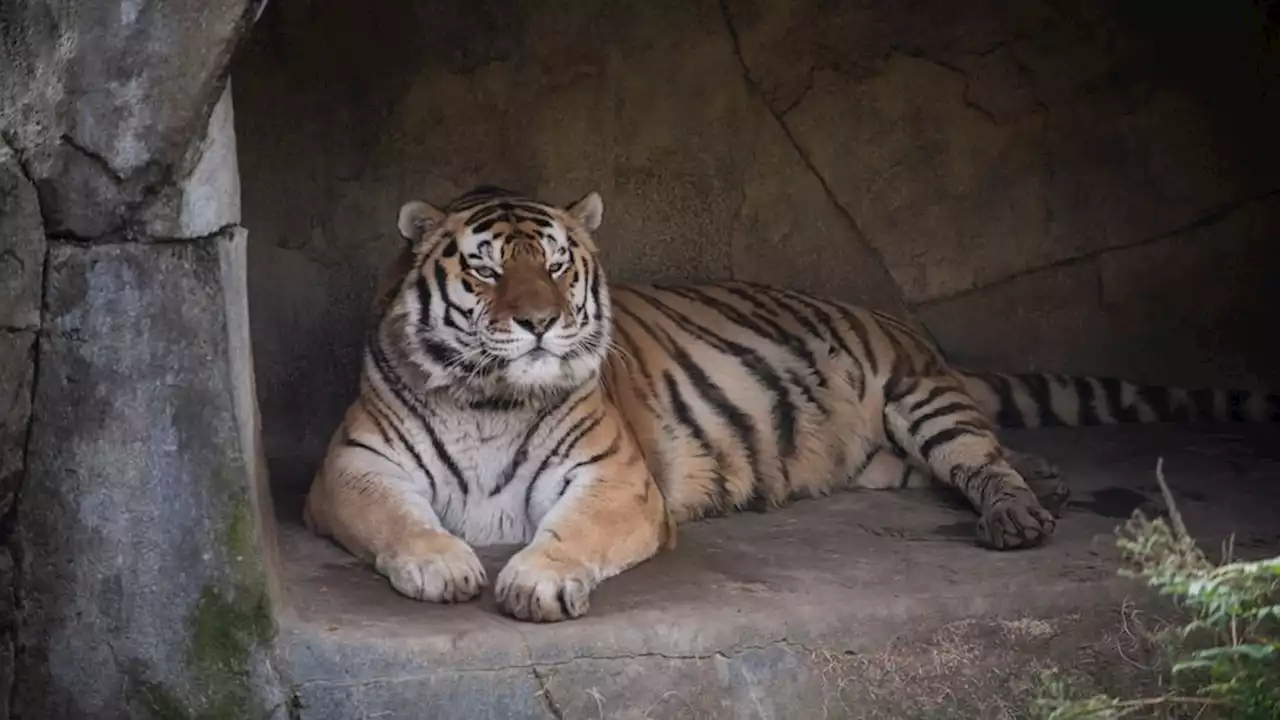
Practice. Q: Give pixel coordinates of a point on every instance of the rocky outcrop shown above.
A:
(134, 570)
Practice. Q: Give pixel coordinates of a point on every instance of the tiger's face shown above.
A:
(506, 297)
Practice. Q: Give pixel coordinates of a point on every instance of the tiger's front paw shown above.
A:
(435, 567)
(538, 588)
(1015, 522)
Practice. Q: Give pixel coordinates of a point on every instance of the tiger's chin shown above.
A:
(536, 370)
(540, 373)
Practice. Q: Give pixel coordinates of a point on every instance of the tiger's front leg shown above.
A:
(609, 517)
(381, 513)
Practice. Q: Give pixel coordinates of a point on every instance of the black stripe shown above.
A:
(899, 362)
(937, 392)
(1115, 399)
(442, 284)
(1158, 399)
(568, 473)
(401, 391)
(1202, 402)
(780, 308)
(633, 355)
(487, 224)
(522, 450)
(907, 339)
(897, 387)
(784, 411)
(684, 416)
(382, 431)
(1088, 408)
(920, 420)
(568, 440)
(828, 323)
(1009, 415)
(1038, 387)
(896, 443)
(1236, 400)
(810, 395)
(738, 421)
(352, 442)
(595, 278)
(858, 381)
(866, 462)
(943, 437)
(859, 330)
(413, 451)
(797, 312)
(770, 329)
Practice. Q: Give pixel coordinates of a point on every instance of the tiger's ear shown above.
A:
(418, 218)
(588, 211)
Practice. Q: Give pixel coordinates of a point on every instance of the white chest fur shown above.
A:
(496, 456)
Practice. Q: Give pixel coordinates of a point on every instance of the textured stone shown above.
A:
(1181, 310)
(1211, 282)
(783, 42)
(868, 604)
(108, 101)
(937, 187)
(1129, 167)
(79, 195)
(143, 575)
(790, 232)
(17, 369)
(21, 246)
(998, 84)
(208, 198)
(1033, 322)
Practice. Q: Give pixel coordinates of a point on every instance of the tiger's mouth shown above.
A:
(538, 366)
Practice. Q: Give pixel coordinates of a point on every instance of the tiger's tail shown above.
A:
(1031, 400)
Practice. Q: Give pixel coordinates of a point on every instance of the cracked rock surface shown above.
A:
(132, 580)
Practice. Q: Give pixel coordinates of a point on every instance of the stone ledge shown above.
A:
(806, 611)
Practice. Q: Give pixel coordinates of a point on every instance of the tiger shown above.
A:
(509, 394)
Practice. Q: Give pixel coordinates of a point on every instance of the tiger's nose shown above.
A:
(536, 323)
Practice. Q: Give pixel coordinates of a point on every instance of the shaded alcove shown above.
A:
(1080, 187)
(1062, 186)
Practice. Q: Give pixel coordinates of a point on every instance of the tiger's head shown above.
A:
(504, 296)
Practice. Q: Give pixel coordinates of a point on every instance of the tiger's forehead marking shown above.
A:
(497, 231)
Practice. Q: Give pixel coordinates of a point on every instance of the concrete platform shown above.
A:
(867, 604)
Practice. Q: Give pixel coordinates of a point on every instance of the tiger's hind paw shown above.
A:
(1015, 522)
(1043, 478)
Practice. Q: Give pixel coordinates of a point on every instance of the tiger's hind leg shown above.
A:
(936, 423)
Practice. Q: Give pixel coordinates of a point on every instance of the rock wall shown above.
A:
(1067, 185)
(133, 568)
